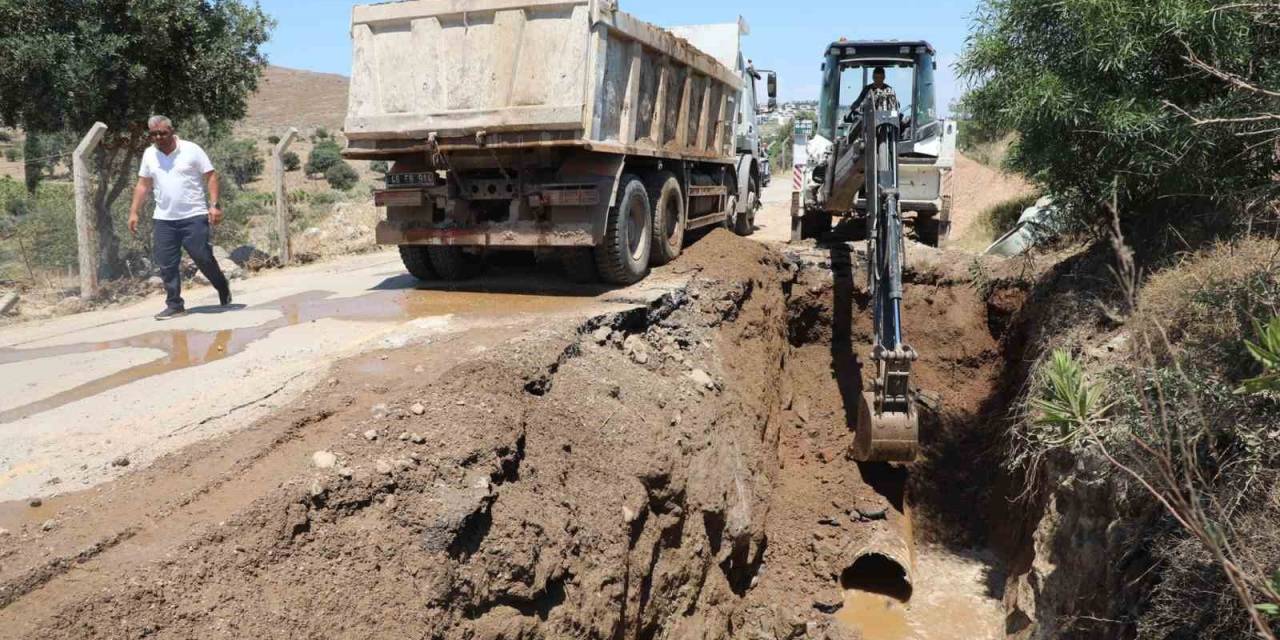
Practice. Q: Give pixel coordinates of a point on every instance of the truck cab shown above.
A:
(723, 41)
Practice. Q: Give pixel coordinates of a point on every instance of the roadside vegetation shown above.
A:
(1153, 126)
(202, 80)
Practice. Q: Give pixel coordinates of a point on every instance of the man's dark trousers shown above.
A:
(171, 237)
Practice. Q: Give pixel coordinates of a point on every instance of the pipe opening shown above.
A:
(879, 574)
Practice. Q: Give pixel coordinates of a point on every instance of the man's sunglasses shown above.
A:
(159, 134)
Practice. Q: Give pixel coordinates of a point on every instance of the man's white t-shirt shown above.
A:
(177, 180)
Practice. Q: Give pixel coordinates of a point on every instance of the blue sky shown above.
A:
(786, 36)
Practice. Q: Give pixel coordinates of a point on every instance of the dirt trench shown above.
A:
(674, 471)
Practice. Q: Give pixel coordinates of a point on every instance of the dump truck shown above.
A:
(566, 127)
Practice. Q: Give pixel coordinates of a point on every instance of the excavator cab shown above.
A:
(926, 152)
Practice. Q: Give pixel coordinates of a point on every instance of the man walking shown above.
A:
(178, 172)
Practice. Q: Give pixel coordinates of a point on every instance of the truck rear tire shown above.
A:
(452, 263)
(622, 257)
(417, 261)
(669, 218)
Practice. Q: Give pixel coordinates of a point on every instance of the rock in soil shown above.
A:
(324, 460)
(8, 302)
(371, 435)
(702, 379)
(122, 461)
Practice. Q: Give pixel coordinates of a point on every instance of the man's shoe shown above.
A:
(224, 297)
(169, 314)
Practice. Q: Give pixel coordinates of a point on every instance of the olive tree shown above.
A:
(1164, 105)
(65, 64)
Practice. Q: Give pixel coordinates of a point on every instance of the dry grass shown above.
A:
(1206, 306)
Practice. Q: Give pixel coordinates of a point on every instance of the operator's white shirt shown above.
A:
(177, 180)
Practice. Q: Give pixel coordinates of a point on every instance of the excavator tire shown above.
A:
(815, 224)
(929, 230)
(886, 437)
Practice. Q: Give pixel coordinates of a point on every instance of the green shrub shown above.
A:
(342, 176)
(1068, 403)
(47, 225)
(323, 198)
(379, 166)
(291, 161)
(1100, 90)
(5, 136)
(13, 154)
(321, 133)
(273, 140)
(323, 156)
(239, 159)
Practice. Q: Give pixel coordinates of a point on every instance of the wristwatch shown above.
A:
(213, 205)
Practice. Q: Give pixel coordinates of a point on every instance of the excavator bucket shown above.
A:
(885, 436)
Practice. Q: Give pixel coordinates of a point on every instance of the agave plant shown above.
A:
(1069, 402)
(1267, 352)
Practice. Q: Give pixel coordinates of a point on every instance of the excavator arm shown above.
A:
(888, 425)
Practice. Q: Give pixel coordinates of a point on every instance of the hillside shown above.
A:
(302, 99)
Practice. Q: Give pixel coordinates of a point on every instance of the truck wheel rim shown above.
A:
(671, 219)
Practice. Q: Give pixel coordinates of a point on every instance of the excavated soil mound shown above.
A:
(675, 471)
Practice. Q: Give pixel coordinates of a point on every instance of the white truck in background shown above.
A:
(561, 126)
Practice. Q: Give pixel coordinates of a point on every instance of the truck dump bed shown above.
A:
(532, 73)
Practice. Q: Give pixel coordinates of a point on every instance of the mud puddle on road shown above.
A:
(186, 348)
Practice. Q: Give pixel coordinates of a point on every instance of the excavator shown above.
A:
(872, 163)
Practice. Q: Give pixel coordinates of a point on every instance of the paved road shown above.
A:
(80, 392)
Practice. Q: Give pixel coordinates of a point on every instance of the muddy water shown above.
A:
(874, 616)
(950, 601)
(185, 348)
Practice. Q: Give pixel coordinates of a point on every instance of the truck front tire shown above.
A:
(744, 223)
(417, 261)
(668, 218)
(622, 257)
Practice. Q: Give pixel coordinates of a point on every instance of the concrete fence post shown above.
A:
(282, 201)
(86, 218)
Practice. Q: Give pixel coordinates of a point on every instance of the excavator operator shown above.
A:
(877, 84)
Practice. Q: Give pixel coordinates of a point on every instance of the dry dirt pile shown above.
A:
(674, 471)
